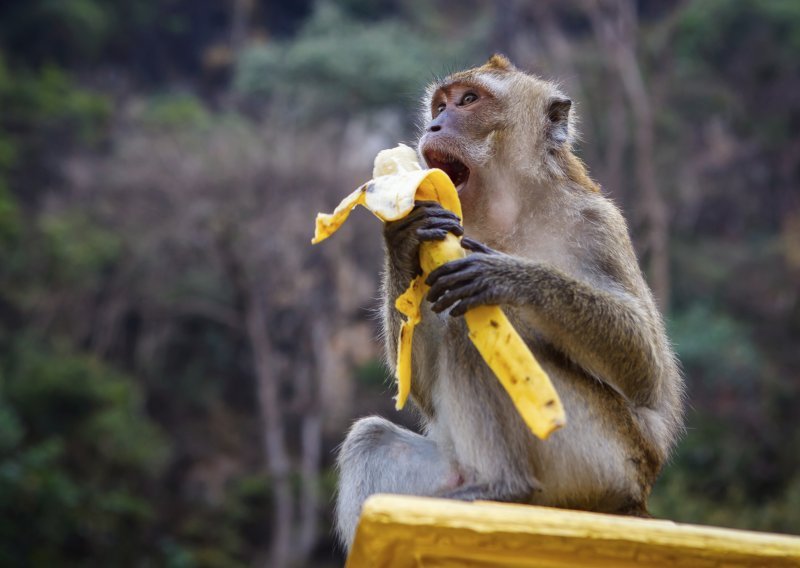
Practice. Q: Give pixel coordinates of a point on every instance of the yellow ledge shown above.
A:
(400, 531)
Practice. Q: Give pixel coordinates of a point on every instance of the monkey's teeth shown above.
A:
(455, 169)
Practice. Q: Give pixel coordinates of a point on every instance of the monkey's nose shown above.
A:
(435, 125)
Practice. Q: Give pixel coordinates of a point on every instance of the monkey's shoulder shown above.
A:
(598, 214)
(602, 242)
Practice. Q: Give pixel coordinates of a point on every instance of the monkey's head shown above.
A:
(495, 129)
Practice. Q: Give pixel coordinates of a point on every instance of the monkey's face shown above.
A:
(496, 132)
(462, 116)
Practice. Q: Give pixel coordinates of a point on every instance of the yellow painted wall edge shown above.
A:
(400, 531)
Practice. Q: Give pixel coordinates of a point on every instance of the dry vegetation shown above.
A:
(177, 363)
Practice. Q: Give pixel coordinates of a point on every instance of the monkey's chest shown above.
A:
(475, 418)
(464, 382)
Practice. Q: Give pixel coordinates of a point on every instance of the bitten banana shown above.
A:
(398, 181)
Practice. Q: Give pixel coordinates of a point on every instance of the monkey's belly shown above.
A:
(592, 463)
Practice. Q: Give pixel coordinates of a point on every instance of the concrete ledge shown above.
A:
(401, 531)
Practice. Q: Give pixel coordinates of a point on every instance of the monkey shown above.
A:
(546, 245)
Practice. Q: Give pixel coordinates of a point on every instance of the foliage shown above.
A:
(40, 108)
(9, 217)
(711, 32)
(77, 248)
(337, 62)
(129, 425)
(754, 45)
(77, 32)
(176, 111)
(715, 350)
(372, 373)
(78, 458)
(717, 479)
(46, 99)
(79, 26)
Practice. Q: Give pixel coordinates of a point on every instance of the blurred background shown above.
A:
(177, 363)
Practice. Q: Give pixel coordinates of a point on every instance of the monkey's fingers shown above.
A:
(476, 246)
(421, 216)
(431, 234)
(392, 196)
(467, 296)
(465, 292)
(446, 225)
(480, 298)
(428, 205)
(452, 282)
(424, 229)
(454, 267)
(469, 290)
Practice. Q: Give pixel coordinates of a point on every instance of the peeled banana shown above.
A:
(398, 181)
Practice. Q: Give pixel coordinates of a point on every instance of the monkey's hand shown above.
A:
(484, 278)
(429, 221)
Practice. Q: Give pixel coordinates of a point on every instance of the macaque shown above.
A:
(555, 254)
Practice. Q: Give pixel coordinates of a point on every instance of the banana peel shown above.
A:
(398, 181)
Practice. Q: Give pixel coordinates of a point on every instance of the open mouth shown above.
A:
(449, 164)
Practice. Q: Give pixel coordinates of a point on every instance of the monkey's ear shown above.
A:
(499, 62)
(558, 120)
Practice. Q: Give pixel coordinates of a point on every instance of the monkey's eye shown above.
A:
(440, 107)
(468, 98)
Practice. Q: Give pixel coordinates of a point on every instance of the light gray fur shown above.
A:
(569, 280)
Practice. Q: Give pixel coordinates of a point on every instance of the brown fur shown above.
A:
(566, 274)
(497, 62)
(576, 171)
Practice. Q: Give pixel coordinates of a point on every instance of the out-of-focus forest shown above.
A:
(177, 363)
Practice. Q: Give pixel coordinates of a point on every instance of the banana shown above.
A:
(398, 181)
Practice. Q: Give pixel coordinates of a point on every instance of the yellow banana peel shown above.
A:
(398, 181)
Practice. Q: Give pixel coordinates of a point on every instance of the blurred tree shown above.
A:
(339, 63)
(40, 111)
(233, 255)
(78, 459)
(160, 164)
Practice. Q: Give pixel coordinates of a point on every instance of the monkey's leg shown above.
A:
(380, 457)
(498, 491)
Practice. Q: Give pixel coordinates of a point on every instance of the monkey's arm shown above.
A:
(611, 334)
(394, 283)
(427, 222)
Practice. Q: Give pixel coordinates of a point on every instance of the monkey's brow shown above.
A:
(447, 84)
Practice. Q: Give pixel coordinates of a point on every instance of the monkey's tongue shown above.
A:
(455, 170)
(458, 174)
